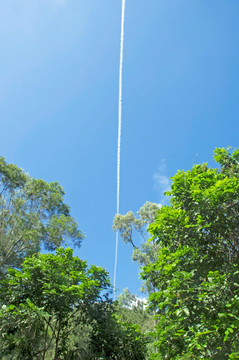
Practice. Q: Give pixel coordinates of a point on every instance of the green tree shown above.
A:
(113, 338)
(32, 215)
(54, 309)
(45, 303)
(129, 225)
(133, 310)
(197, 267)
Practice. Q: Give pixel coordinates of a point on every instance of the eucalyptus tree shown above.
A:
(130, 225)
(33, 216)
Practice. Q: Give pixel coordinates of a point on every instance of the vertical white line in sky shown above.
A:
(119, 131)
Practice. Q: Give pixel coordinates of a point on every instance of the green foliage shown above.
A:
(114, 338)
(32, 214)
(53, 309)
(128, 224)
(45, 302)
(197, 267)
(133, 310)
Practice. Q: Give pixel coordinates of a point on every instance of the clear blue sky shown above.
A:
(59, 62)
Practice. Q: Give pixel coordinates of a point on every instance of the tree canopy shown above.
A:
(57, 308)
(52, 305)
(130, 225)
(43, 301)
(33, 215)
(196, 270)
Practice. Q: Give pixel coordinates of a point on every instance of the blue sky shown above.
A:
(59, 63)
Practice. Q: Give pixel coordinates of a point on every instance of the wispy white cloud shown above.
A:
(162, 181)
(162, 165)
(61, 2)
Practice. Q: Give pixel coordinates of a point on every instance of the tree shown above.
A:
(197, 266)
(115, 338)
(32, 215)
(52, 306)
(54, 309)
(45, 303)
(127, 224)
(133, 310)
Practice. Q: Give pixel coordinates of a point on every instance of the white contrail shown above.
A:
(119, 131)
